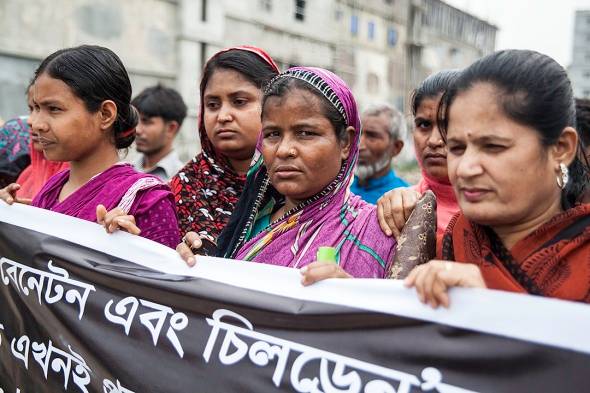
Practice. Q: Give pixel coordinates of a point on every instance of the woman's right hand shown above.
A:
(191, 241)
(394, 209)
(433, 280)
(8, 195)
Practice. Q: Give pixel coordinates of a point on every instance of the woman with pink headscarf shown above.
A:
(297, 196)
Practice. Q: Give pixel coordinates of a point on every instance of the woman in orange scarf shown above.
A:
(395, 206)
(34, 177)
(517, 168)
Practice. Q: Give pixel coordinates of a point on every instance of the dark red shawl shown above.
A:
(553, 261)
(139, 194)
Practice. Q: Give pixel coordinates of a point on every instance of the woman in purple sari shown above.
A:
(82, 114)
(297, 195)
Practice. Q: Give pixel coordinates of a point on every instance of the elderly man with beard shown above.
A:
(161, 112)
(382, 126)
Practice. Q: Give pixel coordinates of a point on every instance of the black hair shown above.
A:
(533, 90)
(96, 74)
(432, 86)
(161, 101)
(279, 87)
(583, 120)
(250, 65)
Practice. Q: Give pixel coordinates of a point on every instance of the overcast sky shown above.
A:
(543, 25)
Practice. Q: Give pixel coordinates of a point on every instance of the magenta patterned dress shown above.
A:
(143, 196)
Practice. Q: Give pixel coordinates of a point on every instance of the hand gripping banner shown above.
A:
(85, 311)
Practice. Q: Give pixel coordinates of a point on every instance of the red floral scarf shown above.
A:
(207, 189)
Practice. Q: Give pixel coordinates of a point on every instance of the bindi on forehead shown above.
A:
(480, 137)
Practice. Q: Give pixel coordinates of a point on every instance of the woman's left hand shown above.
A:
(116, 219)
(433, 280)
(318, 271)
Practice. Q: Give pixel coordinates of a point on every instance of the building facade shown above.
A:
(382, 48)
(579, 70)
(148, 35)
(441, 36)
(371, 49)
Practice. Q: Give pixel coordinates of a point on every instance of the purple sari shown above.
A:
(143, 196)
(334, 217)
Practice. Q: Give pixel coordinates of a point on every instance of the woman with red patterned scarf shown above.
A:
(207, 189)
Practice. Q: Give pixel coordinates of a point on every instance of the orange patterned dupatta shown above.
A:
(552, 261)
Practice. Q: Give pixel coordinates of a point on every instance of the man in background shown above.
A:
(161, 112)
(382, 128)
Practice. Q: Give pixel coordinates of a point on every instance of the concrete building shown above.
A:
(150, 36)
(382, 48)
(294, 32)
(579, 70)
(371, 49)
(385, 48)
(441, 36)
